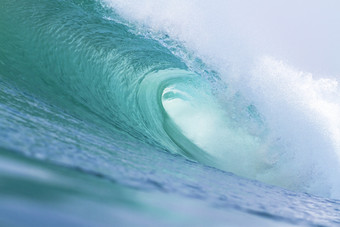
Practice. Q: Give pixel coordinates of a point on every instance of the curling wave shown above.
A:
(98, 64)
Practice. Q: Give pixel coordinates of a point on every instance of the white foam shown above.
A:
(303, 113)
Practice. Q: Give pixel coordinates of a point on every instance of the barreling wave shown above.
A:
(83, 57)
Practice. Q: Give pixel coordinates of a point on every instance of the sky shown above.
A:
(306, 34)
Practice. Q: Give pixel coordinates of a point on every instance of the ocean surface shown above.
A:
(125, 113)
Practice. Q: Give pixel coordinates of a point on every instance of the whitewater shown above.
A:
(168, 113)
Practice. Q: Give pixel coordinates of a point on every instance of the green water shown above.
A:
(90, 133)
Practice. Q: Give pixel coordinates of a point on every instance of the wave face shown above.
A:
(146, 77)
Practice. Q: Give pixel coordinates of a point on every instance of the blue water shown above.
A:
(106, 119)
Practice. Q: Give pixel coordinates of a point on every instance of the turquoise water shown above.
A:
(105, 122)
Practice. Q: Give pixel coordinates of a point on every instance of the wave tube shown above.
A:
(273, 123)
